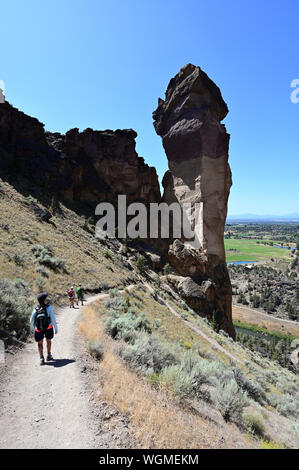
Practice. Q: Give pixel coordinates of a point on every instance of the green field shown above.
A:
(250, 250)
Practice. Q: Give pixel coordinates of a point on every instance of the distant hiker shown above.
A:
(71, 294)
(42, 323)
(80, 294)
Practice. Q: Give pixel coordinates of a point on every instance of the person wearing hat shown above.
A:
(42, 324)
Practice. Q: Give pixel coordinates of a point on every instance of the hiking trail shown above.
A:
(49, 406)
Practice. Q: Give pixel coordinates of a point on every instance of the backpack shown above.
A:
(41, 319)
(79, 290)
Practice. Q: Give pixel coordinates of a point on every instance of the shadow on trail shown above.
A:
(59, 362)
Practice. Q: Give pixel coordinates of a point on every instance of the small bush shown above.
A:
(104, 286)
(115, 304)
(15, 309)
(176, 380)
(294, 428)
(254, 424)
(126, 326)
(148, 352)
(19, 259)
(39, 283)
(107, 254)
(167, 269)
(229, 400)
(30, 200)
(96, 349)
(287, 405)
(45, 255)
(253, 389)
(141, 264)
(42, 271)
(4, 226)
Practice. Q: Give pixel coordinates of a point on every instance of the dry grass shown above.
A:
(159, 422)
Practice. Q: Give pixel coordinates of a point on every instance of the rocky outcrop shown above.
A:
(95, 166)
(89, 166)
(196, 145)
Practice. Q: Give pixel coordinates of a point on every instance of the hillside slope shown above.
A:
(267, 394)
(52, 256)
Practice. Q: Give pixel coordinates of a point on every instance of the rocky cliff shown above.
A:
(196, 145)
(89, 166)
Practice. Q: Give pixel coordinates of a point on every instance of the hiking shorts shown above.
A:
(39, 335)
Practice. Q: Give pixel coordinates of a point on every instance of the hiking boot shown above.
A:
(42, 361)
(50, 357)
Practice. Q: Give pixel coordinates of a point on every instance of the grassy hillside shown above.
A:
(53, 256)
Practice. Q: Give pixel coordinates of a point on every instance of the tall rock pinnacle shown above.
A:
(196, 145)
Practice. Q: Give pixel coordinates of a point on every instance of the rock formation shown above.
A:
(89, 166)
(94, 166)
(196, 145)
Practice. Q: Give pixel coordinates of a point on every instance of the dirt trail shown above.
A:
(48, 406)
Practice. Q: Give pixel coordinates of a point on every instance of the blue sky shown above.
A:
(103, 64)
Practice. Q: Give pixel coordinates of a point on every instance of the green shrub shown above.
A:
(39, 283)
(104, 286)
(253, 389)
(176, 379)
(141, 264)
(45, 255)
(107, 254)
(167, 269)
(126, 326)
(148, 352)
(115, 304)
(30, 200)
(19, 259)
(200, 369)
(229, 400)
(42, 271)
(15, 309)
(254, 424)
(294, 428)
(96, 349)
(287, 405)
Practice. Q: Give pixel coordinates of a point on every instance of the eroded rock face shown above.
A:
(89, 166)
(196, 145)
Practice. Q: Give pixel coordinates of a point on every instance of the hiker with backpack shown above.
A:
(80, 294)
(71, 295)
(42, 324)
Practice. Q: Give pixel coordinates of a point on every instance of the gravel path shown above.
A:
(50, 406)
